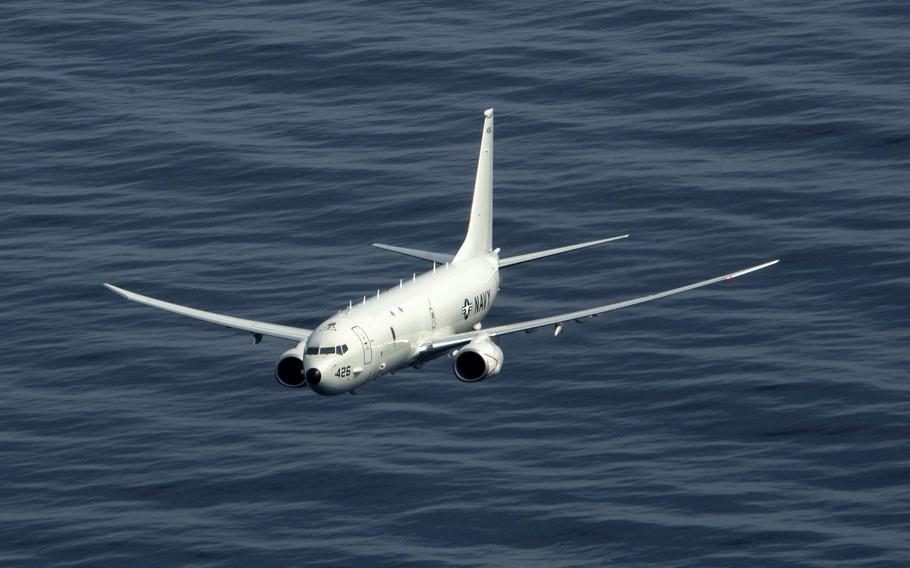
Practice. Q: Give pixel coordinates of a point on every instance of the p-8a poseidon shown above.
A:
(433, 314)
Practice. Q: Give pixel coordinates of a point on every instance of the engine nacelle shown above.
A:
(289, 370)
(479, 359)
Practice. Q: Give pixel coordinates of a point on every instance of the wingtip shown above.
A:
(116, 290)
(743, 272)
(488, 113)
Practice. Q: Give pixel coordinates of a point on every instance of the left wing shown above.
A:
(558, 320)
(257, 328)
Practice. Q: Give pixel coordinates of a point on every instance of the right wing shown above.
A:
(462, 338)
(257, 328)
(437, 257)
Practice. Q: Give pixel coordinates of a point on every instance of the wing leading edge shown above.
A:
(257, 328)
(462, 338)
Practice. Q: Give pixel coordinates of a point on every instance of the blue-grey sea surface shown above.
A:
(242, 156)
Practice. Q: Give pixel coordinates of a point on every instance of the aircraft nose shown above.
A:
(313, 376)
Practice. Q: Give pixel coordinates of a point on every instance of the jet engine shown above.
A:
(477, 360)
(289, 371)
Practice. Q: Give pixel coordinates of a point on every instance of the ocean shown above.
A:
(241, 157)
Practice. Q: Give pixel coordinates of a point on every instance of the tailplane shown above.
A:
(479, 240)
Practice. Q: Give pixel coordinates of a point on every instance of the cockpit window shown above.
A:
(337, 350)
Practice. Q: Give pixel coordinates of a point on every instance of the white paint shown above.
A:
(435, 312)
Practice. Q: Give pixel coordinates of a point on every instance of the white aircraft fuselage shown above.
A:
(384, 333)
(434, 314)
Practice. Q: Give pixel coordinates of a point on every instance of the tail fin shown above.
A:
(479, 239)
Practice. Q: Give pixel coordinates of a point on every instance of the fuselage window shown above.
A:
(326, 350)
(312, 350)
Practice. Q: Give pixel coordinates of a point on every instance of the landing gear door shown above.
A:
(365, 342)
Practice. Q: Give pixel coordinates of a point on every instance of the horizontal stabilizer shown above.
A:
(550, 252)
(439, 257)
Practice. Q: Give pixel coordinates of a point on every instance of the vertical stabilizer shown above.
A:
(479, 239)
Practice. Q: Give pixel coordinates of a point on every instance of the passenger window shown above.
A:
(312, 350)
(326, 350)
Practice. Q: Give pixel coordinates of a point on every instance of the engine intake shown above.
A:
(479, 359)
(289, 371)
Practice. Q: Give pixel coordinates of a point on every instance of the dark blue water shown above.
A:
(241, 158)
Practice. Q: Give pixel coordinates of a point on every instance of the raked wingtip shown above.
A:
(752, 269)
(115, 290)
